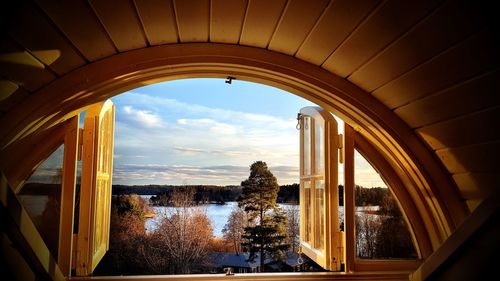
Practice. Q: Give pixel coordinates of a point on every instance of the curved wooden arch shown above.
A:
(425, 179)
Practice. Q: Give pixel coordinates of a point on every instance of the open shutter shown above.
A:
(95, 192)
(320, 235)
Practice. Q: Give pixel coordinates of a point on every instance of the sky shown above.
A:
(205, 131)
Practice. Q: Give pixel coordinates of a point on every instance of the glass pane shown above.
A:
(41, 197)
(307, 210)
(307, 145)
(319, 147)
(381, 231)
(319, 214)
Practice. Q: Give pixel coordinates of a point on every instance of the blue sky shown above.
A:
(204, 131)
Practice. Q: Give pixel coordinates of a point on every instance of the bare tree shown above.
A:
(235, 227)
(293, 225)
(367, 227)
(185, 234)
(127, 237)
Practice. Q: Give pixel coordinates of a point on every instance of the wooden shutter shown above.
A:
(95, 191)
(320, 235)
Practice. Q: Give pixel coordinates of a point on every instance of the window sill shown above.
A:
(385, 275)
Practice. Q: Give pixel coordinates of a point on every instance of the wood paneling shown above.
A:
(79, 23)
(13, 98)
(291, 32)
(479, 127)
(481, 158)
(22, 68)
(437, 32)
(388, 22)
(158, 20)
(473, 204)
(469, 96)
(338, 21)
(121, 22)
(226, 20)
(7, 88)
(193, 20)
(30, 28)
(476, 185)
(474, 56)
(260, 22)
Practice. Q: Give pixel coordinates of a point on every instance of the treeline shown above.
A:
(289, 193)
(154, 189)
(370, 196)
(202, 193)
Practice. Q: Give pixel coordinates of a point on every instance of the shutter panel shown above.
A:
(320, 235)
(95, 191)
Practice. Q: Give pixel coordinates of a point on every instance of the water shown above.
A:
(218, 215)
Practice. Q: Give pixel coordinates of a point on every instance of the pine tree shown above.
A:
(258, 199)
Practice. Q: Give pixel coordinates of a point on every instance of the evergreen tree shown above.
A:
(258, 199)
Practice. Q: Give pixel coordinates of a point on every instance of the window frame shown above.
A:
(330, 255)
(355, 141)
(356, 267)
(46, 142)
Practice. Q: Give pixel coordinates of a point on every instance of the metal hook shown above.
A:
(298, 121)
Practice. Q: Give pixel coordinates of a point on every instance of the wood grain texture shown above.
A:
(226, 20)
(439, 30)
(480, 127)
(478, 158)
(86, 33)
(339, 19)
(21, 67)
(469, 96)
(291, 32)
(389, 21)
(193, 20)
(158, 20)
(260, 22)
(474, 56)
(29, 27)
(121, 22)
(476, 185)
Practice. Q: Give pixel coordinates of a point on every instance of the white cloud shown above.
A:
(174, 107)
(189, 174)
(190, 151)
(197, 135)
(143, 117)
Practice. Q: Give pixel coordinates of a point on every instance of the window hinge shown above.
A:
(341, 148)
(80, 143)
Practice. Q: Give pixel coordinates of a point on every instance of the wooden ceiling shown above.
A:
(434, 63)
